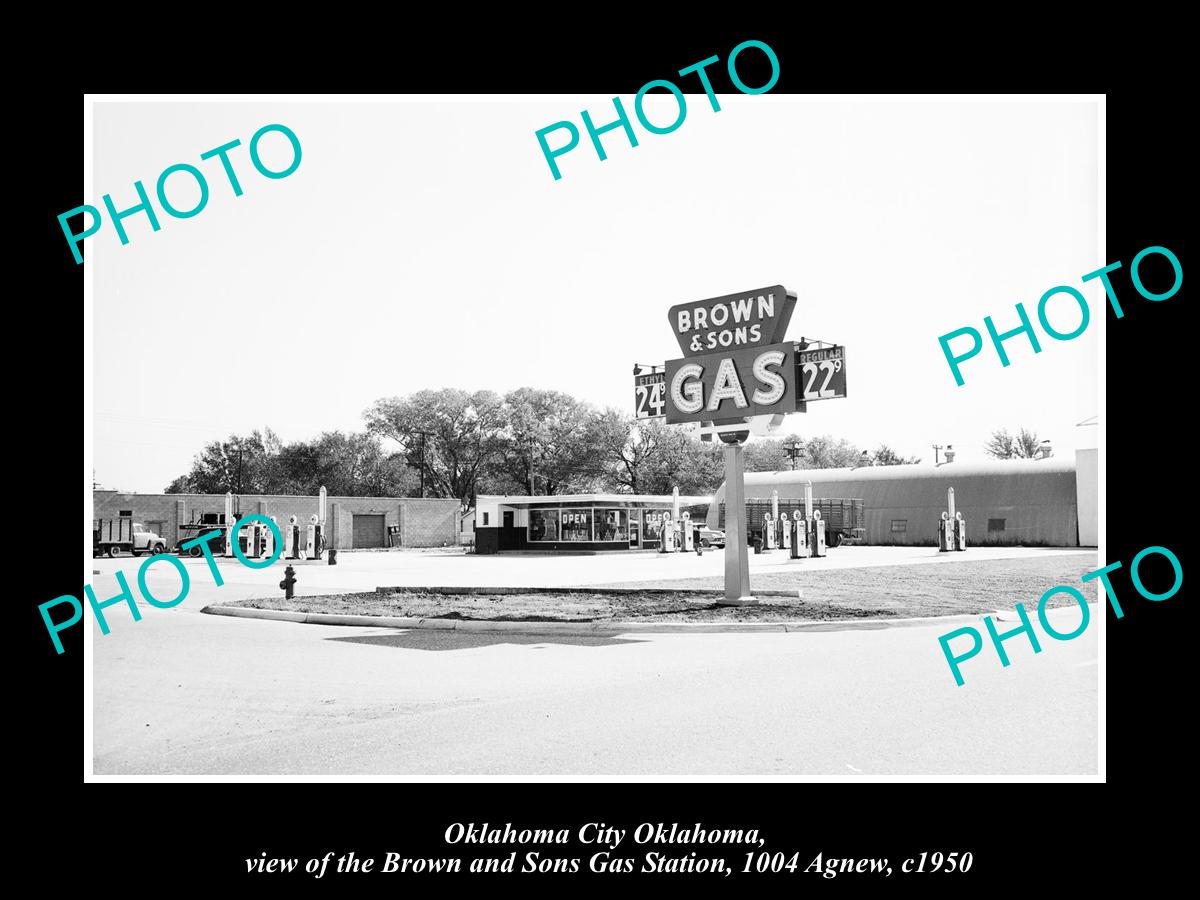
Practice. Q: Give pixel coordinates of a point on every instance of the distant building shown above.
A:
(353, 523)
(1041, 502)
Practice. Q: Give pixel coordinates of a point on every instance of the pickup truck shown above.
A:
(111, 537)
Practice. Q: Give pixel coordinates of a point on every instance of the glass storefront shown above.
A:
(543, 525)
(638, 528)
(612, 525)
(652, 530)
(576, 524)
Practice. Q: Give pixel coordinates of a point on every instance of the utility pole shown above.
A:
(936, 448)
(532, 488)
(423, 464)
(239, 471)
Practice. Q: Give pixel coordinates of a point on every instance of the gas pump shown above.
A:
(313, 544)
(769, 542)
(817, 538)
(686, 538)
(945, 534)
(268, 539)
(785, 532)
(952, 529)
(230, 524)
(253, 533)
(291, 539)
(667, 535)
(799, 536)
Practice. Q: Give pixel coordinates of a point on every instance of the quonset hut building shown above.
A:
(1046, 502)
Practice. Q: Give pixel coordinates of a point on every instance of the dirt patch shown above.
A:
(928, 589)
(598, 606)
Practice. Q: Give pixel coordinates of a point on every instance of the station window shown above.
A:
(654, 521)
(485, 518)
(576, 524)
(996, 524)
(543, 525)
(899, 524)
(612, 525)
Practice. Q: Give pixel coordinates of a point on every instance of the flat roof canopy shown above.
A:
(620, 500)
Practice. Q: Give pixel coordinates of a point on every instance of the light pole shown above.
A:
(794, 448)
(936, 448)
(423, 434)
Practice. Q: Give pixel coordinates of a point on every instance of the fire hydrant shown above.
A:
(289, 581)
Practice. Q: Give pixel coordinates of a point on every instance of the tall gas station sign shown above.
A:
(739, 374)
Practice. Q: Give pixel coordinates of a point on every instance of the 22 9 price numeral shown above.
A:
(812, 370)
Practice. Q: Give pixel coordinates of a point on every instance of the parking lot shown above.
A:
(359, 571)
(183, 693)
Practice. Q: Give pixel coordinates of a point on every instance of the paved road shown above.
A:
(364, 571)
(184, 693)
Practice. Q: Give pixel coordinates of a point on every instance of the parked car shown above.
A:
(710, 537)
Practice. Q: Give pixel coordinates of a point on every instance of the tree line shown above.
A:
(455, 443)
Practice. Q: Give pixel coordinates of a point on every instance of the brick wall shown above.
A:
(424, 522)
(429, 523)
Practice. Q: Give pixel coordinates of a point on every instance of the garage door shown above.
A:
(368, 531)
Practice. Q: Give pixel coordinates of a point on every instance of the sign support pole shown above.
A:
(737, 566)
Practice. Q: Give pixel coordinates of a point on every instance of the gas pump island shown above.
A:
(739, 375)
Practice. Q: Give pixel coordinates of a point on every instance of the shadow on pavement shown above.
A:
(419, 639)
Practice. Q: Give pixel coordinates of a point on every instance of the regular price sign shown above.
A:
(822, 373)
(650, 395)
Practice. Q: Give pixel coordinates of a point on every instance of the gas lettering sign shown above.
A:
(753, 381)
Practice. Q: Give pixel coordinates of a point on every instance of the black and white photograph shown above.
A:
(554, 436)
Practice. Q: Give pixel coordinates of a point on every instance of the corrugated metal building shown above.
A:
(1050, 502)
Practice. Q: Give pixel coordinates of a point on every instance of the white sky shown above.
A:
(426, 244)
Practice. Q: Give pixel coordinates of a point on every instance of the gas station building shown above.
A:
(575, 523)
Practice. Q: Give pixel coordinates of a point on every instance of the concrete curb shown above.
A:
(578, 628)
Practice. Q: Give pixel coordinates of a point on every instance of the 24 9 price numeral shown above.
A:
(651, 400)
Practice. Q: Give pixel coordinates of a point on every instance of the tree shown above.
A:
(823, 452)
(1002, 445)
(886, 456)
(634, 454)
(243, 465)
(544, 445)
(447, 435)
(347, 465)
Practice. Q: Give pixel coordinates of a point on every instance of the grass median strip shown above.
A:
(966, 587)
(573, 606)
